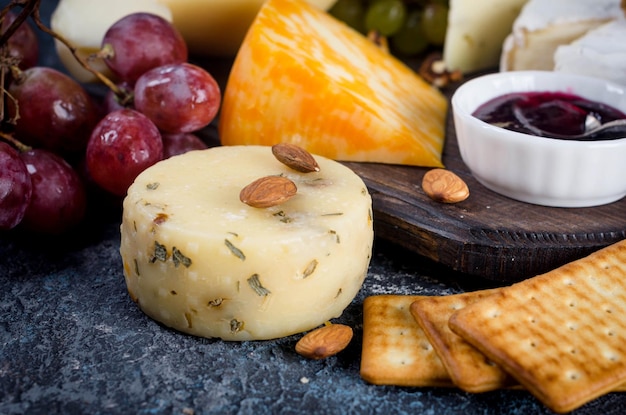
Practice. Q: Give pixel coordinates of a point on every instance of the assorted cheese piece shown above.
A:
(84, 22)
(199, 260)
(210, 27)
(217, 27)
(303, 77)
(600, 53)
(543, 26)
(476, 31)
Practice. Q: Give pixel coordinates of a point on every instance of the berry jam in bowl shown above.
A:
(503, 123)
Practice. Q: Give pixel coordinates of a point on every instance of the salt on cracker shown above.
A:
(469, 369)
(395, 348)
(562, 334)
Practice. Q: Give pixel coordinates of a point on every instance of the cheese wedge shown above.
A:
(475, 32)
(600, 53)
(199, 260)
(542, 26)
(301, 76)
(84, 22)
(217, 27)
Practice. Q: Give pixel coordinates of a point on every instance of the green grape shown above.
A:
(385, 16)
(351, 12)
(410, 39)
(435, 23)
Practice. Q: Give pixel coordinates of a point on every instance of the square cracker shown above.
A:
(562, 334)
(395, 348)
(469, 369)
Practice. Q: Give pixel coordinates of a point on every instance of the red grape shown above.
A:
(15, 187)
(175, 144)
(178, 98)
(122, 145)
(140, 42)
(55, 111)
(58, 201)
(112, 102)
(23, 44)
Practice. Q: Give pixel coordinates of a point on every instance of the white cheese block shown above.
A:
(199, 260)
(600, 53)
(475, 32)
(542, 26)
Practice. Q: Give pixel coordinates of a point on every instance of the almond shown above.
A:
(268, 191)
(295, 157)
(444, 186)
(325, 341)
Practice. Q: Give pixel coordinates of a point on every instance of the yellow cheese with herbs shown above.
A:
(199, 260)
(303, 77)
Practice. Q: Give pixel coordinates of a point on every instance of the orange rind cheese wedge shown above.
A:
(303, 77)
(217, 27)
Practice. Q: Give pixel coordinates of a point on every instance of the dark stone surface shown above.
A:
(72, 342)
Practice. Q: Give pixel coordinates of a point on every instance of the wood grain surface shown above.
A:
(487, 235)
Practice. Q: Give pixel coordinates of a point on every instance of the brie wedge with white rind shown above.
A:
(84, 22)
(199, 260)
(543, 26)
(475, 32)
(600, 53)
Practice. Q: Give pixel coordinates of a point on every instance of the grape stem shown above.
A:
(28, 7)
(16, 143)
(83, 62)
(6, 61)
(31, 7)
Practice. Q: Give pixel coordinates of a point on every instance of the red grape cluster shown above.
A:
(56, 138)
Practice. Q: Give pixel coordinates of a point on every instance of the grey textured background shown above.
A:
(72, 342)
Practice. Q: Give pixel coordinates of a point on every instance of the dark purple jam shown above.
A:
(553, 112)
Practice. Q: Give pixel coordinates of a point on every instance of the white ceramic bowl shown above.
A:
(540, 170)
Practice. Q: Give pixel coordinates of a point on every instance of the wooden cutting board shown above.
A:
(487, 235)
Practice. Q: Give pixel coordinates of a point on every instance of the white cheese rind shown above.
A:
(600, 53)
(542, 26)
(475, 32)
(254, 273)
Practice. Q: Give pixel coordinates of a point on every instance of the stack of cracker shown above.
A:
(560, 335)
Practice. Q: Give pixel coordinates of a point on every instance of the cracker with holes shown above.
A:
(562, 334)
(395, 348)
(469, 369)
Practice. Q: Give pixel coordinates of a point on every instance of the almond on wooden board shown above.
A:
(325, 341)
(444, 186)
(268, 191)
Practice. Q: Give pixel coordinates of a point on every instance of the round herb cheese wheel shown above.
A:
(199, 260)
